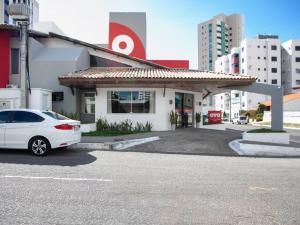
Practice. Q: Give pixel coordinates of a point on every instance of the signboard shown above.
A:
(214, 116)
(57, 96)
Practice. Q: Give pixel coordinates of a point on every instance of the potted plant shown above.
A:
(198, 120)
(173, 120)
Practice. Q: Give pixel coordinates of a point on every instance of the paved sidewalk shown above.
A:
(188, 141)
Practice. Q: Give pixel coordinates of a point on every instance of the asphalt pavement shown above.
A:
(95, 187)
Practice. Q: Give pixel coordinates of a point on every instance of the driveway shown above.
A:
(191, 141)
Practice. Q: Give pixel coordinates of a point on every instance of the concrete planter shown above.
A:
(173, 127)
(86, 128)
(198, 125)
(279, 138)
(214, 127)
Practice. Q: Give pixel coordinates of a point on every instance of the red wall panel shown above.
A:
(4, 58)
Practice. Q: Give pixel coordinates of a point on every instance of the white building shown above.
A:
(5, 18)
(261, 57)
(230, 102)
(216, 37)
(290, 53)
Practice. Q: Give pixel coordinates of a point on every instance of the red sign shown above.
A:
(215, 116)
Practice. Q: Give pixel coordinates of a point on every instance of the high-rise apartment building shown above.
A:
(290, 53)
(261, 57)
(216, 37)
(6, 18)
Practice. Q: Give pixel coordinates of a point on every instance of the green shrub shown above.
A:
(173, 117)
(73, 116)
(198, 117)
(259, 117)
(125, 126)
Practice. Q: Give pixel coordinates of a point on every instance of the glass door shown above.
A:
(184, 107)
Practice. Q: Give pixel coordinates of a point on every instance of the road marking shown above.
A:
(57, 178)
(262, 189)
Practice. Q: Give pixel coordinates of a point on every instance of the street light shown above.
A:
(20, 11)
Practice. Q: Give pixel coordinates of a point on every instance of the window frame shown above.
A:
(83, 103)
(110, 111)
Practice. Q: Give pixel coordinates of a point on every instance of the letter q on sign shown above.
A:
(123, 44)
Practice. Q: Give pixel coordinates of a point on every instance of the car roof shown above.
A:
(22, 110)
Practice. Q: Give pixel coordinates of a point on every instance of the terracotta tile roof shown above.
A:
(286, 98)
(152, 73)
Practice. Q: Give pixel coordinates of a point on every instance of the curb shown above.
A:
(118, 145)
(263, 150)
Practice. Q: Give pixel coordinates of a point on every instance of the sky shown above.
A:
(172, 24)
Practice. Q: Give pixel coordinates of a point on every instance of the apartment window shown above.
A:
(15, 60)
(243, 49)
(258, 80)
(258, 69)
(258, 57)
(243, 60)
(131, 101)
(237, 95)
(274, 59)
(274, 81)
(274, 70)
(243, 71)
(297, 70)
(258, 46)
(265, 58)
(265, 46)
(265, 69)
(265, 81)
(273, 47)
(297, 82)
(297, 48)
(297, 59)
(88, 103)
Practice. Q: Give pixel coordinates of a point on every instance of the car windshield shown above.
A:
(243, 118)
(55, 115)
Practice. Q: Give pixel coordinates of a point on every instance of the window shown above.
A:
(297, 59)
(265, 46)
(131, 102)
(4, 116)
(274, 81)
(258, 69)
(274, 70)
(258, 46)
(274, 59)
(297, 82)
(258, 57)
(297, 48)
(273, 47)
(297, 70)
(265, 69)
(88, 103)
(243, 60)
(265, 58)
(26, 117)
(15, 61)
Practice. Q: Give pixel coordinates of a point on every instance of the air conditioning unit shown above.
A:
(12, 86)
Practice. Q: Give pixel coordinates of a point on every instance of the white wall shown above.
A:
(10, 98)
(40, 99)
(159, 119)
(288, 117)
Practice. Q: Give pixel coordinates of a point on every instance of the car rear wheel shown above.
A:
(39, 146)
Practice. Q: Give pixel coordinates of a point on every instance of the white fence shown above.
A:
(288, 117)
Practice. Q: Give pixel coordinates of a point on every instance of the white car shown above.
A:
(38, 131)
(240, 120)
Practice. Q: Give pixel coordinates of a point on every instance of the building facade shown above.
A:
(290, 52)
(233, 102)
(261, 57)
(216, 37)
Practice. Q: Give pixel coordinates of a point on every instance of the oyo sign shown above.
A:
(215, 116)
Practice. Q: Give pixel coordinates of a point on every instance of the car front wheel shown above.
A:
(39, 146)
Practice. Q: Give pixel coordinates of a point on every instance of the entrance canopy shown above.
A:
(189, 80)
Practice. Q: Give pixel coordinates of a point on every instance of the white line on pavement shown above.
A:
(57, 178)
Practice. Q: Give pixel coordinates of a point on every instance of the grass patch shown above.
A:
(109, 133)
(265, 130)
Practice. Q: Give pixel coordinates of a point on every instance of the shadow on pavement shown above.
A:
(56, 157)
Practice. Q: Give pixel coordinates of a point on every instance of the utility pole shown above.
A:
(23, 59)
(20, 11)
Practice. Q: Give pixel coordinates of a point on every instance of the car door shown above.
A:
(20, 129)
(4, 115)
